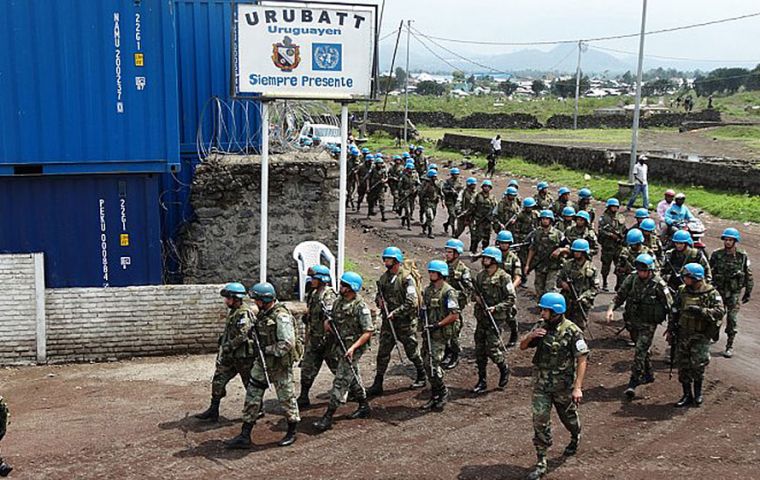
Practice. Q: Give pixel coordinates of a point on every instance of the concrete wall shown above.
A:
(18, 309)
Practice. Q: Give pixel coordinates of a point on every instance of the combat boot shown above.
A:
(512, 335)
(325, 423)
(430, 232)
(290, 436)
(503, 374)
(430, 403)
(630, 392)
(408, 223)
(303, 398)
(5, 469)
(605, 286)
(729, 348)
(212, 412)
(446, 227)
(362, 411)
(382, 214)
(454, 361)
(687, 399)
(698, 399)
(376, 388)
(242, 441)
(541, 467)
(421, 379)
(446, 358)
(648, 378)
(481, 386)
(443, 397)
(572, 447)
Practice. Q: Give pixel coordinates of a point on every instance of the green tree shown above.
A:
(400, 77)
(537, 87)
(566, 88)
(661, 86)
(627, 77)
(507, 87)
(458, 76)
(428, 87)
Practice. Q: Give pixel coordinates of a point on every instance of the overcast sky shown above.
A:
(524, 20)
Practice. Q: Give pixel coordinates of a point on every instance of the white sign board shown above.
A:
(305, 50)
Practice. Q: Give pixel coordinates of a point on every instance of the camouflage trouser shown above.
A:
(406, 207)
(575, 315)
(4, 414)
(731, 301)
(642, 335)
(487, 344)
(345, 381)
(317, 350)
(362, 188)
(480, 233)
(376, 197)
(610, 252)
(226, 369)
(462, 223)
(546, 394)
(522, 254)
(692, 357)
(428, 211)
(434, 372)
(453, 343)
(545, 281)
(451, 219)
(406, 331)
(284, 385)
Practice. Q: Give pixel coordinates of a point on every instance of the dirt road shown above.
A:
(134, 419)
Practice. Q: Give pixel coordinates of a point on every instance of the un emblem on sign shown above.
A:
(327, 57)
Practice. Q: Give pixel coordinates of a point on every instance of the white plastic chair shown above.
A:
(308, 254)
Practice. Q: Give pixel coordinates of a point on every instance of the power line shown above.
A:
(461, 57)
(593, 39)
(674, 58)
(435, 54)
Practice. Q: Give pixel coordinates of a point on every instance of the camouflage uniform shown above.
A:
(376, 195)
(236, 351)
(278, 341)
(408, 186)
(464, 207)
(506, 211)
(394, 179)
(482, 218)
(559, 205)
(553, 376)
(733, 273)
(319, 346)
(353, 319)
(647, 304)
(525, 223)
(700, 314)
(564, 225)
(451, 190)
(363, 173)
(575, 233)
(583, 277)
(626, 260)
(584, 205)
(611, 235)
(354, 163)
(544, 202)
(511, 264)
(430, 195)
(420, 164)
(675, 261)
(498, 292)
(460, 278)
(439, 304)
(654, 244)
(546, 268)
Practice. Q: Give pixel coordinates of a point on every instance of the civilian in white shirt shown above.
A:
(640, 184)
(496, 145)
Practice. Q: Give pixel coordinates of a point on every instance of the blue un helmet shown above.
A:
(472, 181)
(321, 273)
(419, 148)
(682, 236)
(584, 193)
(511, 191)
(264, 292)
(379, 155)
(432, 173)
(433, 166)
(487, 183)
(505, 236)
(563, 191)
(731, 232)
(648, 225)
(378, 159)
(568, 212)
(409, 165)
(354, 151)
(546, 214)
(454, 171)
(694, 270)
(394, 253)
(542, 186)
(405, 155)
(642, 213)
(513, 183)
(397, 158)
(580, 245)
(613, 202)
(439, 266)
(455, 244)
(584, 215)
(554, 302)
(353, 280)
(307, 142)
(369, 157)
(233, 290)
(644, 262)
(634, 237)
(365, 151)
(493, 253)
(529, 202)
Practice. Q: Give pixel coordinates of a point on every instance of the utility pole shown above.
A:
(406, 82)
(637, 109)
(393, 64)
(577, 85)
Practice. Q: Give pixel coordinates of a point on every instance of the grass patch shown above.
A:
(748, 135)
(592, 135)
(350, 265)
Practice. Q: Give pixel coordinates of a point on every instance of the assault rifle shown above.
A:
(341, 344)
(423, 313)
(386, 316)
(253, 333)
(576, 299)
(485, 306)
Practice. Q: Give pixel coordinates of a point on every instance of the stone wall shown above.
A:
(725, 174)
(625, 121)
(222, 243)
(18, 325)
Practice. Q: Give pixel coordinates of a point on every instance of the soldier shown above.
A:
(363, 174)
(559, 367)
(494, 298)
(647, 302)
(451, 189)
(640, 215)
(483, 207)
(378, 179)
(274, 336)
(397, 294)
(611, 236)
(430, 195)
(408, 187)
(681, 254)
(5, 469)
(394, 178)
(581, 229)
(625, 263)
(544, 199)
(464, 207)
(511, 264)
(584, 204)
(651, 240)
(579, 284)
(516, 185)
(733, 272)
(354, 163)
(567, 219)
(544, 254)
(525, 224)
(318, 345)
(350, 322)
(563, 202)
(698, 315)
(420, 161)
(236, 350)
(507, 210)
(460, 278)
(440, 314)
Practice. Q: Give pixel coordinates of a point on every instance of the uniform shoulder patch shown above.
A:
(581, 345)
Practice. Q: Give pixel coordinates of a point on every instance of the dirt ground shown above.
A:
(133, 419)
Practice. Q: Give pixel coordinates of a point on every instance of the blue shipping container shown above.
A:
(95, 230)
(88, 86)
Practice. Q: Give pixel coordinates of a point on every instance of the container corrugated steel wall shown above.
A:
(95, 230)
(88, 86)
